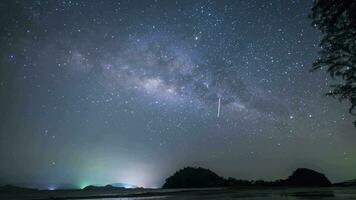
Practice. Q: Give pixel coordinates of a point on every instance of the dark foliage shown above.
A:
(269, 183)
(190, 177)
(336, 19)
(232, 182)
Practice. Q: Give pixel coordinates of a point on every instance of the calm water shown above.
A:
(257, 194)
(333, 193)
(132, 198)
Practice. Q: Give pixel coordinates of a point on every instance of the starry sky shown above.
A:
(98, 92)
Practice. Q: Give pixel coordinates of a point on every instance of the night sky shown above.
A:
(98, 92)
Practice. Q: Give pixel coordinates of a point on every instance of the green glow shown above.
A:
(83, 184)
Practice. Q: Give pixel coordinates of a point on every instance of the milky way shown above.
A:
(97, 92)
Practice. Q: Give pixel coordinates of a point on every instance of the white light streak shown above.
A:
(219, 104)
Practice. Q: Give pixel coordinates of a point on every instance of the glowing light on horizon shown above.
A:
(82, 185)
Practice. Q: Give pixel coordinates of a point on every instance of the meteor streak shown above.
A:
(218, 115)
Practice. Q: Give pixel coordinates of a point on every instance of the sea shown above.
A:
(276, 193)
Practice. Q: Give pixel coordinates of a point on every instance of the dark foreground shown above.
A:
(190, 194)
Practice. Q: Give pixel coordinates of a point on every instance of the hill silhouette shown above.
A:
(102, 188)
(15, 189)
(346, 183)
(124, 185)
(308, 178)
(190, 177)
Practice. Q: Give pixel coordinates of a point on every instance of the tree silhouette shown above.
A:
(336, 19)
